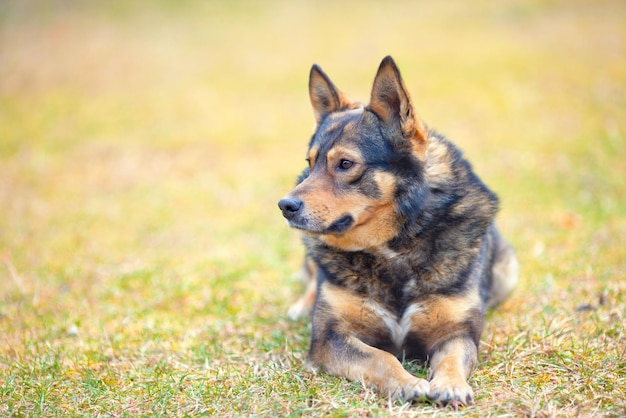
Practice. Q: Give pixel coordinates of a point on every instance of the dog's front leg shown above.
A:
(350, 357)
(451, 363)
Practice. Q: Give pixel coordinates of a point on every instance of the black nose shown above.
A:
(290, 207)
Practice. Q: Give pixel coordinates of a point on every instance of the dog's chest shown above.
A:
(380, 275)
(398, 327)
(382, 298)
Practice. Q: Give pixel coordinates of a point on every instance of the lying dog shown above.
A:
(401, 245)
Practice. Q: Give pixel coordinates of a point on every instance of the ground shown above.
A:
(145, 268)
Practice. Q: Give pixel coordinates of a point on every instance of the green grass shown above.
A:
(145, 269)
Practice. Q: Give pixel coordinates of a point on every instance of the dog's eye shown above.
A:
(345, 164)
(308, 161)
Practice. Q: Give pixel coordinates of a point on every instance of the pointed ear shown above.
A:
(325, 97)
(391, 102)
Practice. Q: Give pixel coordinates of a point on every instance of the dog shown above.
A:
(403, 257)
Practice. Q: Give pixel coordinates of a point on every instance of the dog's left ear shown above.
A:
(325, 97)
(391, 102)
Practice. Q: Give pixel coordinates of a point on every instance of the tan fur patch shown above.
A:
(437, 164)
(354, 312)
(441, 316)
(338, 153)
(313, 156)
(375, 219)
(386, 183)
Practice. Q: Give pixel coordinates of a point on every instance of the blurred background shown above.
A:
(144, 145)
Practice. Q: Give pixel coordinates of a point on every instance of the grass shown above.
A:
(145, 269)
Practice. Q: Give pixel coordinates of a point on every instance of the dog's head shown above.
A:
(362, 160)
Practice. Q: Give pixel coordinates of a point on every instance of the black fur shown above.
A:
(421, 291)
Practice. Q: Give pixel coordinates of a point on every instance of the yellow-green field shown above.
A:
(145, 268)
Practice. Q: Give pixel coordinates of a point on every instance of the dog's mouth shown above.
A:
(339, 226)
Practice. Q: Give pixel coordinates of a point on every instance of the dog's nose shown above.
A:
(290, 207)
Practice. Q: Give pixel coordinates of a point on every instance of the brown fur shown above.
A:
(403, 256)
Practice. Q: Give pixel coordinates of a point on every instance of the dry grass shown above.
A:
(145, 269)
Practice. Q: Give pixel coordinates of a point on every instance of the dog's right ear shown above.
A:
(325, 97)
(392, 104)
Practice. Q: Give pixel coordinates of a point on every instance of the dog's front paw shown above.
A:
(414, 389)
(454, 392)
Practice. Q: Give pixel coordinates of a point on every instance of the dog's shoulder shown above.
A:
(455, 191)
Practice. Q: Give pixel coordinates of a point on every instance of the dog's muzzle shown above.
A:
(295, 213)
